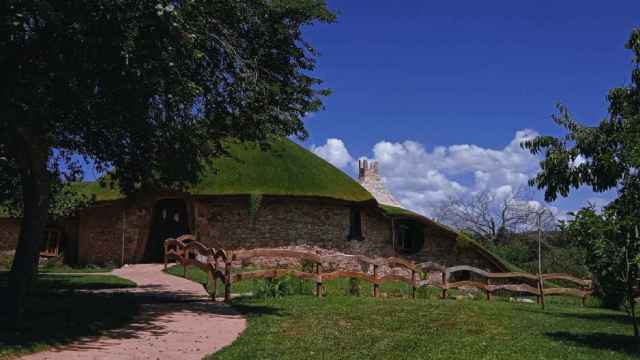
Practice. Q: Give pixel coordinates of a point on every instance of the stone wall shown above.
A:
(226, 222)
(442, 247)
(284, 222)
(9, 232)
(100, 233)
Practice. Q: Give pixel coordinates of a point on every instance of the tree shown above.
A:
(492, 218)
(606, 156)
(613, 248)
(147, 90)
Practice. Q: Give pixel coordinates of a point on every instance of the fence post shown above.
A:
(413, 284)
(541, 291)
(318, 281)
(376, 285)
(445, 284)
(165, 257)
(184, 268)
(227, 275)
(488, 291)
(215, 277)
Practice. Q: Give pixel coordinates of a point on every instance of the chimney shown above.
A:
(367, 170)
(369, 178)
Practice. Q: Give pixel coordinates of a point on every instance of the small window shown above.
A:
(409, 237)
(355, 229)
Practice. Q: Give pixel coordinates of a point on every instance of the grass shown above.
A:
(54, 265)
(56, 314)
(57, 265)
(361, 327)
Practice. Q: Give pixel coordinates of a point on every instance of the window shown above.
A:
(409, 237)
(355, 228)
(51, 243)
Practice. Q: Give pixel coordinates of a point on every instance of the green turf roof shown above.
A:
(284, 169)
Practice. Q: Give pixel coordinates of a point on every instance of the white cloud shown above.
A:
(420, 178)
(335, 152)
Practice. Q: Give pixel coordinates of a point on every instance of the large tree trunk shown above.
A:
(32, 157)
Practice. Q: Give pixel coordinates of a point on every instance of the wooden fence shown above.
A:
(188, 252)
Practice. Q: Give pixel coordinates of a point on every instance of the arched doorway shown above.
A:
(170, 220)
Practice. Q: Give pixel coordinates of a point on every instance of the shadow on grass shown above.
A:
(53, 319)
(256, 310)
(609, 317)
(600, 341)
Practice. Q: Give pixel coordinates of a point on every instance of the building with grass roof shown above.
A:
(285, 196)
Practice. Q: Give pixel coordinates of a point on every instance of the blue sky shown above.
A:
(463, 73)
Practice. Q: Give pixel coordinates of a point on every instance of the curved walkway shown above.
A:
(177, 321)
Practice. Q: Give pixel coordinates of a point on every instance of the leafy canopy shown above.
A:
(604, 156)
(149, 89)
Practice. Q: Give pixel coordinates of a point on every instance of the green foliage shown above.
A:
(603, 157)
(6, 258)
(171, 85)
(558, 254)
(611, 249)
(284, 286)
(146, 90)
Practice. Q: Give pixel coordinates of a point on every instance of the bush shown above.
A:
(279, 287)
(6, 259)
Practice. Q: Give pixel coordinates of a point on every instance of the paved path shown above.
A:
(177, 322)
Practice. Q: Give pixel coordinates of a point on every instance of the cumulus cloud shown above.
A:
(421, 178)
(335, 152)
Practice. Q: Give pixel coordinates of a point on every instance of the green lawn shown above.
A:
(350, 327)
(70, 270)
(57, 315)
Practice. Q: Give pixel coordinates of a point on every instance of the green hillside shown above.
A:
(284, 169)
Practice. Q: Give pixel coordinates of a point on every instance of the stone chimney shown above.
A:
(369, 178)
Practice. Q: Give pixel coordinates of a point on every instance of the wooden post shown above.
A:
(215, 277)
(445, 284)
(413, 284)
(227, 285)
(318, 281)
(184, 269)
(376, 285)
(165, 257)
(541, 290)
(210, 275)
(488, 291)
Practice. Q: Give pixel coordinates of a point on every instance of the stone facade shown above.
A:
(280, 222)
(9, 232)
(443, 247)
(115, 231)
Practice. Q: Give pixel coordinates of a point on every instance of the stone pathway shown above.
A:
(177, 321)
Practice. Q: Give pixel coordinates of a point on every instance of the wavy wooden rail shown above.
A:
(188, 252)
